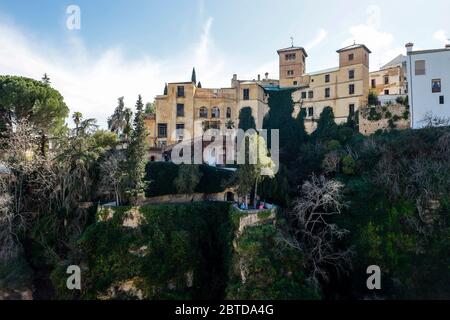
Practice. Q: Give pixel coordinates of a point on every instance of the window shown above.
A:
(310, 112)
(180, 91)
(327, 92)
(203, 113)
(351, 57)
(290, 72)
(228, 113)
(327, 78)
(351, 89)
(351, 109)
(290, 56)
(180, 131)
(162, 130)
(310, 94)
(386, 79)
(215, 112)
(351, 74)
(386, 92)
(304, 95)
(436, 85)
(180, 110)
(441, 99)
(295, 83)
(420, 67)
(374, 83)
(246, 94)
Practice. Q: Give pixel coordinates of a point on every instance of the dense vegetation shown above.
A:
(348, 202)
(162, 176)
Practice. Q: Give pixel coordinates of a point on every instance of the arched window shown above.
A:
(228, 113)
(203, 112)
(215, 113)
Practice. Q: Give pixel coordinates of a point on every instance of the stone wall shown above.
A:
(387, 117)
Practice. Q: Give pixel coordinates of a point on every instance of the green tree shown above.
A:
(188, 178)
(128, 114)
(326, 126)
(42, 105)
(194, 76)
(137, 154)
(77, 117)
(116, 122)
(246, 119)
(150, 108)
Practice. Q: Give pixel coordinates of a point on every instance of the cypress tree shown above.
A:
(137, 154)
(246, 119)
(194, 76)
(165, 90)
(326, 126)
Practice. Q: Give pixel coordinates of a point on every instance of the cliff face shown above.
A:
(191, 251)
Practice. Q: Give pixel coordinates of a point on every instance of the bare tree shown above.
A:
(315, 236)
(112, 174)
(22, 163)
(330, 163)
(430, 120)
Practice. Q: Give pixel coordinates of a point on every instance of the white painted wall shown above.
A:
(421, 97)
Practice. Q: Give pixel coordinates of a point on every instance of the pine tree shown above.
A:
(194, 76)
(137, 154)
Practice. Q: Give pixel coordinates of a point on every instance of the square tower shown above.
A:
(354, 55)
(292, 66)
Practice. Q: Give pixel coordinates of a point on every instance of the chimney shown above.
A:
(267, 76)
(409, 47)
(234, 81)
(259, 77)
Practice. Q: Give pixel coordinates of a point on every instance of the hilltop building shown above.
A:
(428, 83)
(390, 81)
(344, 88)
(186, 111)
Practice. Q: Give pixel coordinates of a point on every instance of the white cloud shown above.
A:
(321, 35)
(381, 43)
(442, 37)
(91, 84)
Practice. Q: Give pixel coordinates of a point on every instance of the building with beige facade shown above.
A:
(344, 88)
(389, 82)
(186, 110)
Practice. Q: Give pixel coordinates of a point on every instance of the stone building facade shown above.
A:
(185, 110)
(344, 88)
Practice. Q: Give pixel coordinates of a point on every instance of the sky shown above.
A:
(126, 48)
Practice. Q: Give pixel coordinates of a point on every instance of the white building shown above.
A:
(428, 74)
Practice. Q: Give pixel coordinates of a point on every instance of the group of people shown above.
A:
(260, 205)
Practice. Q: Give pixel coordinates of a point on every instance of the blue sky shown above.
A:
(129, 47)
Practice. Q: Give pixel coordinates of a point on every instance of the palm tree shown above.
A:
(128, 114)
(116, 122)
(77, 118)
